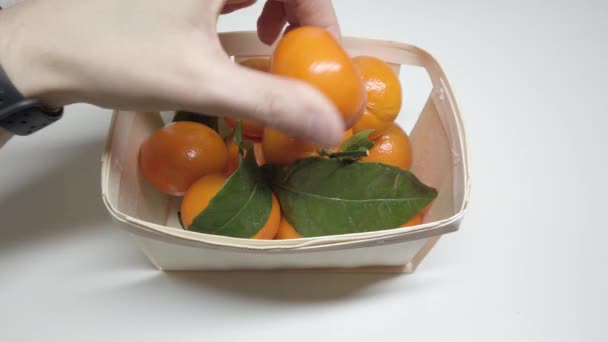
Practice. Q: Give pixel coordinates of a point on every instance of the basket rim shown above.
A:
(336, 242)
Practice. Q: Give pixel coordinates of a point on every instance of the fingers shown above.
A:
(319, 13)
(271, 21)
(276, 13)
(232, 6)
(291, 106)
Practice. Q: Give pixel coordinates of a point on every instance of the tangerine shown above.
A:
(233, 155)
(198, 196)
(251, 129)
(287, 231)
(281, 148)
(383, 95)
(426, 209)
(392, 147)
(271, 227)
(175, 156)
(313, 55)
(414, 221)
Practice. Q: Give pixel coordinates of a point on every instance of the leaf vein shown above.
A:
(240, 210)
(349, 200)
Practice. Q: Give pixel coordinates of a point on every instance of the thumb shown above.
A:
(285, 104)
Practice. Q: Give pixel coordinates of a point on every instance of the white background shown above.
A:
(529, 262)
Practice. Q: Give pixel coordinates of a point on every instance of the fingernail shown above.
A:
(329, 132)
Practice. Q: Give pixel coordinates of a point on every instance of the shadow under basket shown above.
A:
(439, 160)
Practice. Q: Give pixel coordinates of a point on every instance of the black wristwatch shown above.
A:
(19, 115)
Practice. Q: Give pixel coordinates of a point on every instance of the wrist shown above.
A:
(24, 63)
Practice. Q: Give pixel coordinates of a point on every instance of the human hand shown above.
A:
(277, 13)
(153, 55)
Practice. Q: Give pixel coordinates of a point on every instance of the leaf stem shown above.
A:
(238, 139)
(346, 154)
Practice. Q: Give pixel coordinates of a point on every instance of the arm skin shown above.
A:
(154, 55)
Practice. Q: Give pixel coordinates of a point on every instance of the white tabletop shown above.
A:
(529, 262)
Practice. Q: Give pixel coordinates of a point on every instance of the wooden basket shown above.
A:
(440, 160)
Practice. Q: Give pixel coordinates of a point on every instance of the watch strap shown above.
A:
(19, 115)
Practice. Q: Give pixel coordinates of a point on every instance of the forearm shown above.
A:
(7, 37)
(22, 56)
(18, 64)
(155, 55)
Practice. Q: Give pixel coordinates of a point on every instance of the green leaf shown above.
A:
(322, 196)
(354, 148)
(358, 142)
(238, 137)
(207, 120)
(241, 208)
